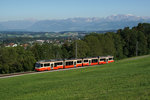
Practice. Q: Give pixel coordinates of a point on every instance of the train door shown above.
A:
(106, 60)
(89, 62)
(52, 65)
(98, 61)
(75, 63)
(64, 63)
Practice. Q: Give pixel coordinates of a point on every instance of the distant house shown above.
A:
(40, 41)
(11, 45)
(25, 45)
(49, 41)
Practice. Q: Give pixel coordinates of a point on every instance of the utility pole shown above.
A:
(76, 48)
(137, 48)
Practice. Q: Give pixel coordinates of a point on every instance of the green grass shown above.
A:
(127, 79)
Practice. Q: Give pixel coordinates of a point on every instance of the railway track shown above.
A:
(33, 72)
(15, 74)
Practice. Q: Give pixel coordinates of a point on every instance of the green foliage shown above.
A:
(142, 43)
(118, 43)
(36, 50)
(109, 46)
(148, 43)
(46, 51)
(93, 44)
(65, 53)
(135, 40)
(16, 59)
(126, 79)
(82, 49)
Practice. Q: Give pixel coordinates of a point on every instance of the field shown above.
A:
(127, 79)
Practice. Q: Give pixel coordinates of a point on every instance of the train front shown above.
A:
(38, 66)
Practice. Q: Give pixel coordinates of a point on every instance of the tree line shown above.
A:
(121, 44)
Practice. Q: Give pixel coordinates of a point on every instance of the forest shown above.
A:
(127, 42)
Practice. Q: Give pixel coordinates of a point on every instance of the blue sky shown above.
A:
(59, 9)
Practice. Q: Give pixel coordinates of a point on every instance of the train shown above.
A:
(55, 64)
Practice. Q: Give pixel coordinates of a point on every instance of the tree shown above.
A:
(118, 43)
(36, 50)
(29, 61)
(82, 49)
(142, 43)
(148, 43)
(125, 35)
(56, 52)
(109, 47)
(65, 53)
(132, 43)
(67, 50)
(94, 45)
(129, 37)
(16, 59)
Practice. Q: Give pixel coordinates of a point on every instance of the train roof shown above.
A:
(74, 59)
(104, 56)
(90, 57)
(54, 60)
(51, 60)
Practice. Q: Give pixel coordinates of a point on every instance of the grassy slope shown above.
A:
(125, 79)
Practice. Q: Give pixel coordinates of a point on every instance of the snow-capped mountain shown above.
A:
(113, 22)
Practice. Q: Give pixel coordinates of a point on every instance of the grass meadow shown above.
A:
(127, 79)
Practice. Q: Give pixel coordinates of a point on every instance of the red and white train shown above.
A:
(44, 65)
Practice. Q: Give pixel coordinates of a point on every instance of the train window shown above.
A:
(47, 64)
(79, 61)
(69, 63)
(102, 59)
(94, 60)
(41, 65)
(75, 63)
(85, 60)
(51, 66)
(37, 65)
(58, 63)
(110, 58)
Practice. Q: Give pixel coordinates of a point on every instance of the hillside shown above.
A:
(124, 79)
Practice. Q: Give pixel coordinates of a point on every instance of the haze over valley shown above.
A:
(112, 22)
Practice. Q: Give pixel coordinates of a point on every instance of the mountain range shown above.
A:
(112, 22)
